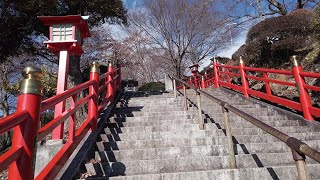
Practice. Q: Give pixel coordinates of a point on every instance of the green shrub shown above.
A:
(152, 86)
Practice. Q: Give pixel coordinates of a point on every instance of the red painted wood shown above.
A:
(9, 157)
(45, 130)
(304, 97)
(9, 122)
(313, 88)
(309, 74)
(111, 84)
(50, 102)
(271, 80)
(61, 87)
(230, 74)
(25, 136)
(93, 103)
(274, 71)
(26, 122)
(104, 76)
(314, 111)
(281, 101)
(266, 83)
(72, 118)
(244, 81)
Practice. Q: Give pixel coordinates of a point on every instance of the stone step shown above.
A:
(146, 108)
(247, 124)
(172, 165)
(222, 138)
(148, 129)
(234, 117)
(194, 114)
(154, 101)
(265, 173)
(213, 129)
(154, 114)
(116, 142)
(107, 154)
(154, 123)
(160, 135)
(183, 142)
(150, 118)
(197, 133)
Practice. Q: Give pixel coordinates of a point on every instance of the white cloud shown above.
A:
(233, 48)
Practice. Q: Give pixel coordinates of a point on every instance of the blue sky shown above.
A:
(132, 4)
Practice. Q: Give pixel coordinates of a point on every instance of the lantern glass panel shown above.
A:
(62, 32)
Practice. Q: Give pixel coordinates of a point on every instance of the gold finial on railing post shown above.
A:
(295, 61)
(25, 135)
(241, 60)
(95, 67)
(31, 84)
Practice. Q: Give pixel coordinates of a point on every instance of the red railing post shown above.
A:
(206, 78)
(73, 118)
(244, 82)
(25, 134)
(190, 80)
(266, 84)
(228, 75)
(304, 97)
(203, 86)
(94, 90)
(111, 84)
(215, 71)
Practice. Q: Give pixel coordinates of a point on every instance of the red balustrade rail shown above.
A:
(25, 121)
(225, 75)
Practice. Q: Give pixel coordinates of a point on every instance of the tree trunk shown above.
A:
(75, 78)
(5, 138)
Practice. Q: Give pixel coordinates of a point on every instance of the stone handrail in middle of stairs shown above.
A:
(299, 149)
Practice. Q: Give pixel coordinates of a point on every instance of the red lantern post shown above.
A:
(66, 37)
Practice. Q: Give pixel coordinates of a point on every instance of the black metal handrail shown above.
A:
(299, 148)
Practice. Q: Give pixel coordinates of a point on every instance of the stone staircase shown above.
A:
(153, 138)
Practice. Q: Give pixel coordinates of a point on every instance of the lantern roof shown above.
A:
(79, 21)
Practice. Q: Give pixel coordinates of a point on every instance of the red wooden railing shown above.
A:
(223, 74)
(26, 120)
